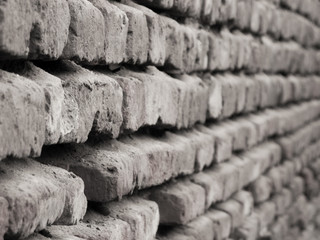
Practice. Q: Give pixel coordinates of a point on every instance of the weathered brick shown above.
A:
(228, 10)
(31, 28)
(49, 33)
(261, 189)
(39, 195)
(95, 226)
(212, 185)
(249, 230)
(92, 101)
(138, 35)
(202, 46)
(246, 199)
(156, 51)
(116, 24)
(234, 209)
(222, 223)
(4, 217)
(16, 25)
(156, 87)
(204, 144)
(215, 96)
(199, 93)
(142, 215)
(266, 213)
(179, 203)
(54, 95)
(274, 174)
(23, 116)
(200, 228)
(223, 142)
(279, 228)
(174, 44)
(85, 42)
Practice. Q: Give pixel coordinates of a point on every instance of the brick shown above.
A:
(116, 174)
(249, 131)
(199, 98)
(206, 11)
(200, 228)
(184, 153)
(156, 51)
(175, 235)
(138, 36)
(234, 209)
(23, 119)
(297, 209)
(279, 229)
(44, 195)
(249, 169)
(223, 142)
(214, 192)
(202, 46)
(133, 162)
(174, 44)
(92, 101)
(179, 203)
(266, 213)
(215, 11)
(133, 105)
(310, 186)
(247, 201)
(261, 189)
(253, 94)
(142, 215)
(15, 26)
(156, 85)
(49, 34)
(116, 24)
(204, 144)
(38, 236)
(222, 223)
(260, 123)
(215, 96)
(228, 11)
(274, 174)
(54, 95)
(243, 18)
(249, 230)
(4, 219)
(85, 43)
(34, 30)
(95, 226)
(191, 48)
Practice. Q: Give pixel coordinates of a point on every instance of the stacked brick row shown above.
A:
(159, 119)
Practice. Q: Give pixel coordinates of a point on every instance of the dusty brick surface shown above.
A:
(141, 215)
(22, 99)
(116, 24)
(40, 195)
(85, 42)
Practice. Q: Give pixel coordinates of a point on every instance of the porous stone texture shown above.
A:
(159, 119)
(37, 195)
(85, 42)
(21, 100)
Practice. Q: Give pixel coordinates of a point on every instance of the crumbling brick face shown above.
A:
(159, 119)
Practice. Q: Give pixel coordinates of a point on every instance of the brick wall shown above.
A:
(159, 119)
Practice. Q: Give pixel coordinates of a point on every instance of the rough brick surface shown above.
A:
(175, 119)
(39, 195)
(116, 24)
(85, 43)
(22, 99)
